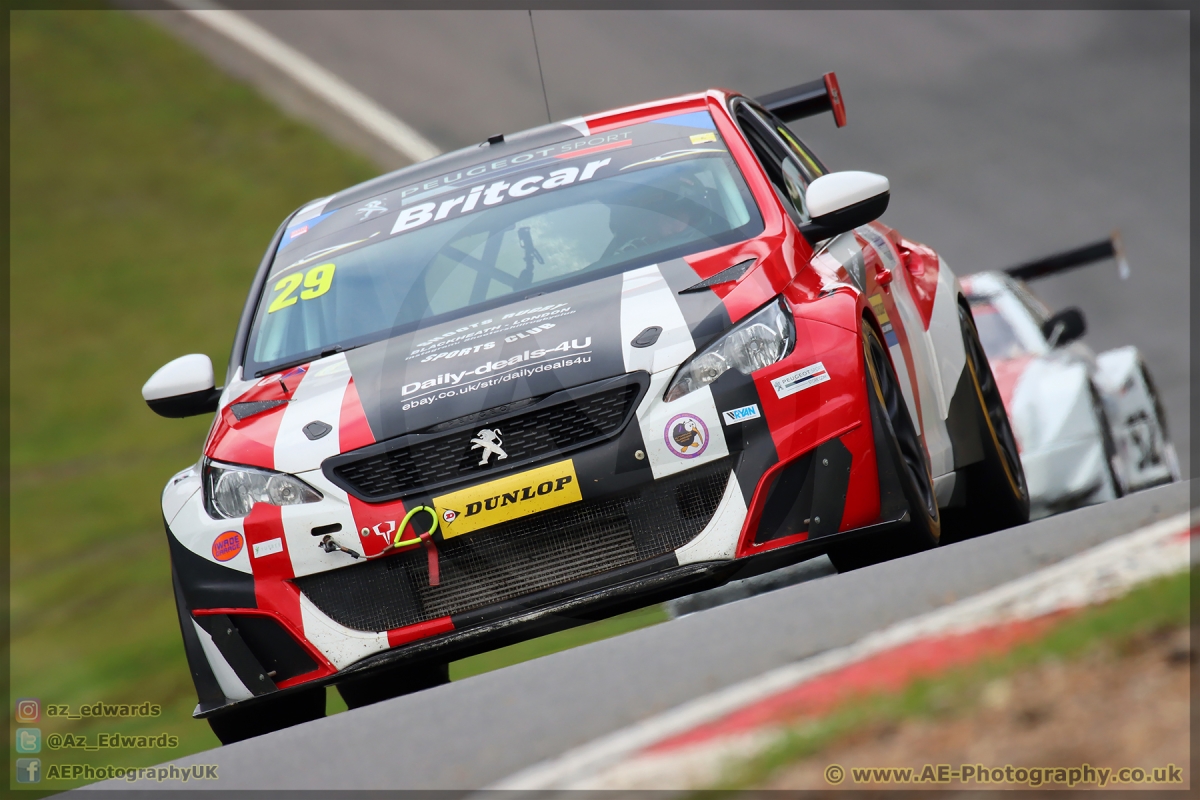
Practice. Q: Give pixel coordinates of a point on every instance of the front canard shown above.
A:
(507, 498)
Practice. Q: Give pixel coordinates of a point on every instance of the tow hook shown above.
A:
(330, 546)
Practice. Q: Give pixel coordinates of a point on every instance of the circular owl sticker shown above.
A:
(686, 435)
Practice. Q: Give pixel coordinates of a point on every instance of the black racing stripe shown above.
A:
(751, 438)
(205, 584)
(705, 314)
(367, 367)
(208, 691)
(707, 318)
(401, 381)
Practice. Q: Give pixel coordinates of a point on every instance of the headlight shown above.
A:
(756, 342)
(231, 491)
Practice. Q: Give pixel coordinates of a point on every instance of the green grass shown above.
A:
(1159, 605)
(145, 186)
(536, 648)
(554, 642)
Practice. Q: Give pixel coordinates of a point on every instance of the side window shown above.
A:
(1032, 304)
(809, 163)
(787, 178)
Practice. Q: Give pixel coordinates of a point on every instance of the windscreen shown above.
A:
(998, 338)
(498, 232)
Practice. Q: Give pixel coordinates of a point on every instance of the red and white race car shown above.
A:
(558, 375)
(1090, 427)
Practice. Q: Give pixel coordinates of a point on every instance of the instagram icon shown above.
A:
(28, 710)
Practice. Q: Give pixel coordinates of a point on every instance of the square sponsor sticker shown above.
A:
(735, 415)
(800, 380)
(269, 547)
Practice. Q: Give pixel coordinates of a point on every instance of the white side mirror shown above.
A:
(837, 191)
(842, 201)
(182, 388)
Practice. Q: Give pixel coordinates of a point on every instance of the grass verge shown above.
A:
(1159, 605)
(555, 642)
(145, 185)
(536, 648)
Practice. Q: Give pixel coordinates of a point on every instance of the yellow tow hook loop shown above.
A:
(425, 538)
(404, 524)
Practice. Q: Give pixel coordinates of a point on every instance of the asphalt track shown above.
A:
(471, 733)
(1006, 135)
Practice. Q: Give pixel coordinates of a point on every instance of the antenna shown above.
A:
(539, 63)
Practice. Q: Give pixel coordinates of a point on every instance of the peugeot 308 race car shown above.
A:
(559, 375)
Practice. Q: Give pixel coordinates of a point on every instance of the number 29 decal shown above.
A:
(316, 282)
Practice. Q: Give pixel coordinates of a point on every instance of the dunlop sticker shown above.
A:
(508, 498)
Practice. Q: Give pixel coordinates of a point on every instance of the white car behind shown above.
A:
(1090, 427)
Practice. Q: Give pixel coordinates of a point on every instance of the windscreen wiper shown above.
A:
(295, 362)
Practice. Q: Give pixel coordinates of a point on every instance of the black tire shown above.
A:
(1110, 446)
(1160, 415)
(392, 682)
(911, 464)
(269, 714)
(1164, 449)
(996, 496)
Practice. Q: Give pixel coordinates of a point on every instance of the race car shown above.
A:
(559, 375)
(1090, 427)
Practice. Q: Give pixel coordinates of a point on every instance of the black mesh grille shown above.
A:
(377, 476)
(527, 555)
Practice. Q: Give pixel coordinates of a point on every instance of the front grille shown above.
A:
(523, 556)
(559, 423)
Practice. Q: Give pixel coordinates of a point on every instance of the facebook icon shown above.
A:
(29, 770)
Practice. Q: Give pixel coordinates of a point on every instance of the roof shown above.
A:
(472, 156)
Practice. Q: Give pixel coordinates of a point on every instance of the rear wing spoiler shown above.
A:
(807, 100)
(1071, 259)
